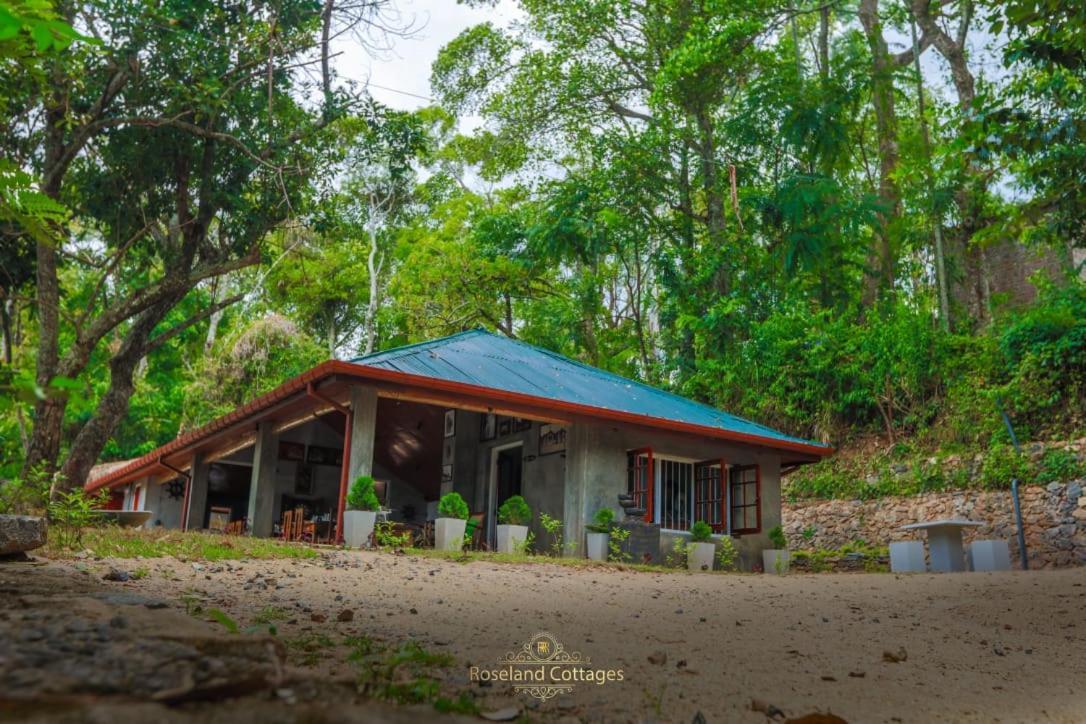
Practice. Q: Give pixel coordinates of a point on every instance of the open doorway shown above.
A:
(506, 467)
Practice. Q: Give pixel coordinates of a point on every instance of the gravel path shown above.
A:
(866, 647)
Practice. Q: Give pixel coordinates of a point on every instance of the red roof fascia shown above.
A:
(363, 372)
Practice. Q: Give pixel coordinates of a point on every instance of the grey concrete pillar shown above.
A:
(198, 492)
(363, 431)
(578, 457)
(152, 501)
(262, 485)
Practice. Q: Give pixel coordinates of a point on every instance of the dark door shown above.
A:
(509, 467)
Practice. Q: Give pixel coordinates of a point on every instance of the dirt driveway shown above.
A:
(866, 647)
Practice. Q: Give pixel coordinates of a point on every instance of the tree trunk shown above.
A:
(113, 406)
(824, 42)
(714, 197)
(216, 316)
(882, 256)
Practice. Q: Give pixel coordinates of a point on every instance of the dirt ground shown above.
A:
(866, 647)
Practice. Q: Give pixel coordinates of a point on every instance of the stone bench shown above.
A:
(907, 556)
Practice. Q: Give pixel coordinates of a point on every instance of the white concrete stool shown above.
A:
(907, 556)
(990, 555)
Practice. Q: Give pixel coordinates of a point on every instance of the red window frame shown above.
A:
(756, 504)
(640, 461)
(709, 493)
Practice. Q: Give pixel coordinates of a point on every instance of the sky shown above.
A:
(405, 68)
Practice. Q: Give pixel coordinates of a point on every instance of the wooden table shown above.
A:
(945, 542)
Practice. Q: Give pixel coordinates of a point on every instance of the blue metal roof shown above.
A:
(477, 357)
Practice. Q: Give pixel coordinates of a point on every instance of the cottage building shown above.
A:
(484, 415)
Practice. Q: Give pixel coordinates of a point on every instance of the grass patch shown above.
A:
(308, 649)
(114, 542)
(529, 559)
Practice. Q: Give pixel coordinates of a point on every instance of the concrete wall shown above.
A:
(596, 475)
(542, 476)
(155, 498)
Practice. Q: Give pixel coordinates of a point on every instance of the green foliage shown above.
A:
(553, 527)
(25, 496)
(452, 506)
(776, 537)
(726, 555)
(700, 532)
(616, 545)
(1003, 465)
(361, 495)
(603, 521)
(385, 535)
(677, 557)
(515, 511)
(243, 366)
(220, 617)
(70, 512)
(116, 542)
(1058, 466)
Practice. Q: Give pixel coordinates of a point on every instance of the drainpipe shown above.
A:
(348, 423)
(1014, 490)
(188, 487)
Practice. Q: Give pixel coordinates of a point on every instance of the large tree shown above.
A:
(179, 141)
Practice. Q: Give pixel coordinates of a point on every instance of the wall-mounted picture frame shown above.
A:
(291, 451)
(488, 427)
(505, 426)
(446, 473)
(319, 455)
(552, 439)
(450, 423)
(520, 424)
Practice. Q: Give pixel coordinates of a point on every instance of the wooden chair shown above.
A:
(299, 523)
(286, 529)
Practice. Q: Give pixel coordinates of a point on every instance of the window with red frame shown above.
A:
(746, 496)
(709, 497)
(676, 493)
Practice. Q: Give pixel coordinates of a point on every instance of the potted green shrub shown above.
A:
(599, 534)
(361, 513)
(513, 518)
(452, 520)
(699, 553)
(777, 558)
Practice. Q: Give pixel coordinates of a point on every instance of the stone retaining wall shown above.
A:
(1054, 518)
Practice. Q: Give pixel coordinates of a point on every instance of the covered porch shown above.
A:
(286, 473)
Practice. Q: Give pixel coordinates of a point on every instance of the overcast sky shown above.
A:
(405, 69)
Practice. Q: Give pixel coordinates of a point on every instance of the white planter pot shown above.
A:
(357, 527)
(449, 534)
(598, 546)
(511, 538)
(775, 560)
(699, 556)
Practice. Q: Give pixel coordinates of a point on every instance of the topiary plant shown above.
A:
(605, 517)
(514, 511)
(700, 532)
(776, 537)
(452, 506)
(361, 495)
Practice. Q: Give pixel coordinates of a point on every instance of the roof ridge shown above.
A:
(416, 345)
